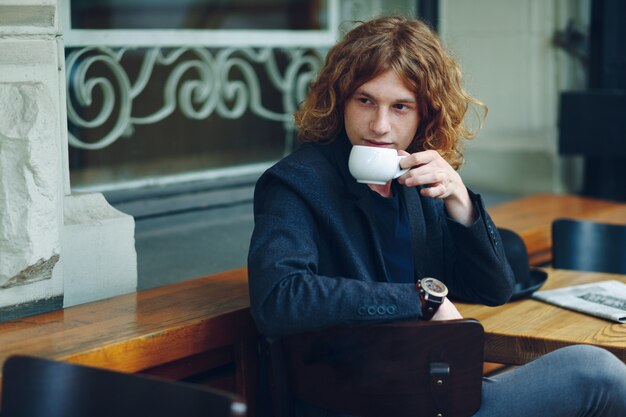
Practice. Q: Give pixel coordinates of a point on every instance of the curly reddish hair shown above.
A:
(413, 51)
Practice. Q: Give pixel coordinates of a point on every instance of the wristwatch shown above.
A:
(432, 293)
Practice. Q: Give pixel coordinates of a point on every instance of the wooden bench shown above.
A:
(198, 330)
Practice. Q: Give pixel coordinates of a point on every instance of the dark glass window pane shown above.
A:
(199, 14)
(185, 139)
(139, 112)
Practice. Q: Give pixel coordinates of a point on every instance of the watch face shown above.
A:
(434, 286)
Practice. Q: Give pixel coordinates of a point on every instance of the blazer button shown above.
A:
(362, 311)
(391, 309)
(381, 310)
(371, 310)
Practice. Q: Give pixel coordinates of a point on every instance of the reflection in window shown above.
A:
(199, 14)
(148, 111)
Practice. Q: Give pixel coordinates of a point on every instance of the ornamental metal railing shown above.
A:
(202, 74)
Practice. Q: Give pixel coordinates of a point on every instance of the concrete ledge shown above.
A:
(98, 247)
(28, 16)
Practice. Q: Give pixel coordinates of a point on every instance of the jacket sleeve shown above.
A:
(480, 271)
(287, 292)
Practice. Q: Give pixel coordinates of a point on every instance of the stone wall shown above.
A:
(31, 177)
(29, 168)
(56, 248)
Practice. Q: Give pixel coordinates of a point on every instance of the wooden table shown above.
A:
(178, 331)
(520, 331)
(192, 328)
(531, 217)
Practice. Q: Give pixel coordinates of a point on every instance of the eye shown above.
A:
(363, 100)
(401, 106)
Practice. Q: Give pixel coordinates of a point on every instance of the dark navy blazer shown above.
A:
(315, 260)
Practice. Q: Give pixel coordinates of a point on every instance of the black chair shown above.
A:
(36, 387)
(589, 246)
(397, 369)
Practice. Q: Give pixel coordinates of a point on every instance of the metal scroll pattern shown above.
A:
(210, 90)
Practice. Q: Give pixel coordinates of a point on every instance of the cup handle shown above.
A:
(400, 171)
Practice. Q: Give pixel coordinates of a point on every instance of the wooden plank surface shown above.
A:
(613, 215)
(520, 331)
(531, 217)
(143, 330)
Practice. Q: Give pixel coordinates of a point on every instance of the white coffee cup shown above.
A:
(373, 165)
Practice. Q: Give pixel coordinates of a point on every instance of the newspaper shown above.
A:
(606, 299)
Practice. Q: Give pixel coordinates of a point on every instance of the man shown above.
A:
(329, 251)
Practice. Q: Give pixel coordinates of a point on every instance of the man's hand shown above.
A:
(447, 311)
(428, 168)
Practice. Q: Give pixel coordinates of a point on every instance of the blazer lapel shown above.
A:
(360, 196)
(418, 228)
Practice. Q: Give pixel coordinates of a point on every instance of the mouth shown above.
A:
(377, 143)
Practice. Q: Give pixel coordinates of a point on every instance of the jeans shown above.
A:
(576, 381)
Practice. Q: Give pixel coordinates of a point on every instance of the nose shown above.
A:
(380, 123)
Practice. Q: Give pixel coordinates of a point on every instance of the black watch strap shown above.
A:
(428, 308)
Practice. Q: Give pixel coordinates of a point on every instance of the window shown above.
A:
(170, 87)
(159, 109)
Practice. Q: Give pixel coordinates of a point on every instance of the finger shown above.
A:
(424, 170)
(436, 191)
(415, 177)
(425, 157)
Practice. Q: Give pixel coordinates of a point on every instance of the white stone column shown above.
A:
(30, 159)
(53, 244)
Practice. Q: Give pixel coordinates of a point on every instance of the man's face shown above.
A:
(382, 112)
